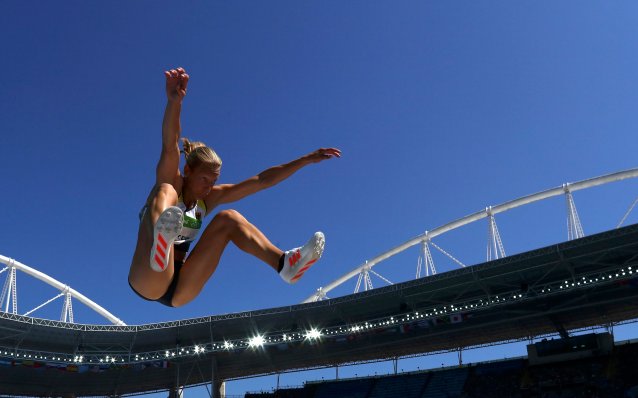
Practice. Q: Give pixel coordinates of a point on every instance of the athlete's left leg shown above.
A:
(143, 279)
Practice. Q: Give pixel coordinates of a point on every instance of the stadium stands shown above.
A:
(346, 389)
(446, 384)
(406, 386)
(495, 380)
(610, 375)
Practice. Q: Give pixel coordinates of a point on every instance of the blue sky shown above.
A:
(440, 109)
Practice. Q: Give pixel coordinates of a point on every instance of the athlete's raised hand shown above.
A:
(323, 154)
(176, 82)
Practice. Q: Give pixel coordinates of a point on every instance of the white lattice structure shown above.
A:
(9, 296)
(495, 246)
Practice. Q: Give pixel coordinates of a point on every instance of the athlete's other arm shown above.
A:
(227, 193)
(168, 166)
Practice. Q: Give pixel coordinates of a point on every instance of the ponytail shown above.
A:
(197, 153)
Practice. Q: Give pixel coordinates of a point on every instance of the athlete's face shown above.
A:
(200, 180)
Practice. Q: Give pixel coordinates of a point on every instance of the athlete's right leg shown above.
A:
(231, 226)
(227, 226)
(143, 279)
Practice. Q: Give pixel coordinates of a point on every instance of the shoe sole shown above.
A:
(319, 244)
(167, 228)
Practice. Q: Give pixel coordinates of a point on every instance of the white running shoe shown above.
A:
(167, 228)
(298, 261)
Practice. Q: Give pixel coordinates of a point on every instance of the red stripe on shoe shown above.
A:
(297, 277)
(294, 258)
(161, 252)
(304, 268)
(161, 240)
(159, 261)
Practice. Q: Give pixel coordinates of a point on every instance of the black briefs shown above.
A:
(167, 298)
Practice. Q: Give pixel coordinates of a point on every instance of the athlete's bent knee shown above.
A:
(229, 217)
(165, 189)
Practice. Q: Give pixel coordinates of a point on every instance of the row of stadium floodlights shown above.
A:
(403, 322)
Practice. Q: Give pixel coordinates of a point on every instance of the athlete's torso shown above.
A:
(192, 221)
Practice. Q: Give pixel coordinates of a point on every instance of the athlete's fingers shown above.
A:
(185, 78)
(182, 82)
(333, 152)
(324, 153)
(330, 152)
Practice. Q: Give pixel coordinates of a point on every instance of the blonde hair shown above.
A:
(197, 153)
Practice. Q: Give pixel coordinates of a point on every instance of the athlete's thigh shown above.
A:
(202, 262)
(148, 283)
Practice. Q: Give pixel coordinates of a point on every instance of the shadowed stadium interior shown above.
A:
(612, 374)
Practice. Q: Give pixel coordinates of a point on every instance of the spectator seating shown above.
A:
(404, 386)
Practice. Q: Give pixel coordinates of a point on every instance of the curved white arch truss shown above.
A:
(495, 247)
(9, 293)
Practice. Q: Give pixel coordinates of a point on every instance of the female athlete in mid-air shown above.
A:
(170, 220)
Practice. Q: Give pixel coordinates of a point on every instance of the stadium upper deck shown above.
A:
(576, 284)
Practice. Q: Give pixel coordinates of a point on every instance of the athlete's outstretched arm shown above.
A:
(168, 166)
(226, 193)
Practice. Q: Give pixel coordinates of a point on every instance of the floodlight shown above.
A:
(256, 341)
(313, 334)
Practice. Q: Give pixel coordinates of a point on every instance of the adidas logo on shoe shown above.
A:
(299, 260)
(167, 228)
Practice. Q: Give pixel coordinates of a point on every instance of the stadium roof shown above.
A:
(572, 285)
